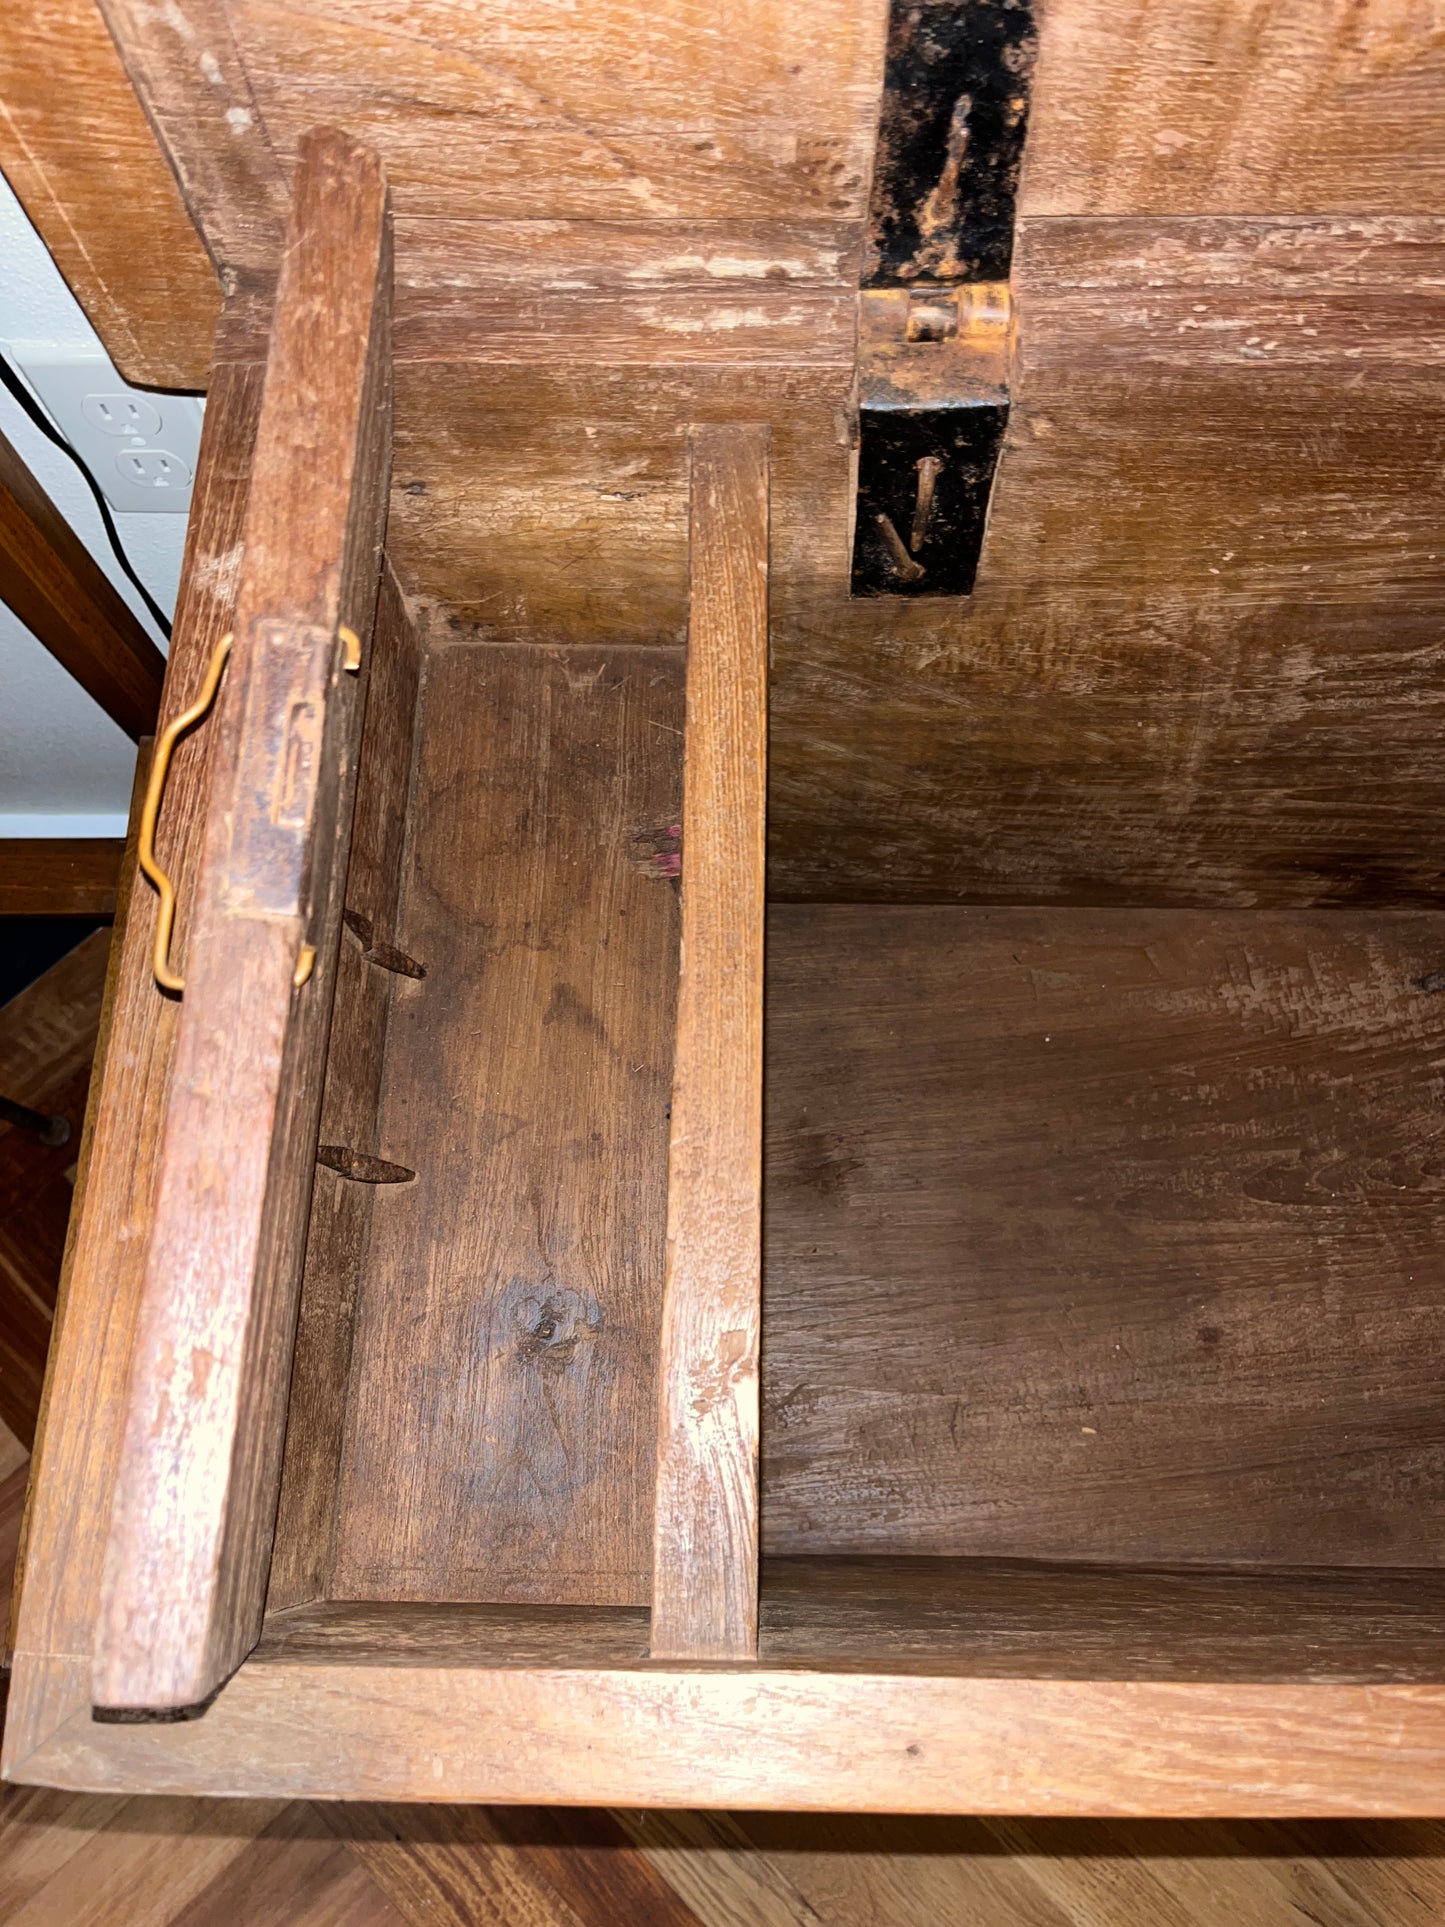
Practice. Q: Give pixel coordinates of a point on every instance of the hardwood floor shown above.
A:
(76, 1860)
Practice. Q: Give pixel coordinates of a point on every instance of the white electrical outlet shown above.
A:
(141, 448)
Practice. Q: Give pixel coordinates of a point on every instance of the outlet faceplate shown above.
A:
(140, 447)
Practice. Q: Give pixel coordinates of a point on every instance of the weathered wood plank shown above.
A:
(186, 1575)
(71, 128)
(85, 1391)
(1229, 107)
(338, 1236)
(873, 1739)
(705, 1537)
(500, 1431)
(193, 82)
(1072, 1209)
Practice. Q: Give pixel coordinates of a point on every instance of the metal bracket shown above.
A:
(935, 319)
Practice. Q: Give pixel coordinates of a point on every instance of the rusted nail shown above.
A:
(903, 562)
(356, 1164)
(385, 956)
(930, 467)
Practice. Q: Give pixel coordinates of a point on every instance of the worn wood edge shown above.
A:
(240, 170)
(125, 883)
(158, 336)
(215, 1569)
(800, 1740)
(60, 1586)
(63, 1535)
(705, 1540)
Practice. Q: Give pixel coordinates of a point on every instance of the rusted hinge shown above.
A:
(935, 318)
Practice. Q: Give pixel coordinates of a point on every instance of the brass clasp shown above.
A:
(151, 809)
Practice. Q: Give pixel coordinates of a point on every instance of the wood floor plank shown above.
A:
(12, 1512)
(858, 1870)
(1095, 1881)
(294, 1874)
(40, 1831)
(590, 1863)
(709, 1860)
(448, 1867)
(509, 1867)
(12, 1453)
(147, 1862)
(1389, 1874)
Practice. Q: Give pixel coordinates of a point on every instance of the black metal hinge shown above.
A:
(935, 325)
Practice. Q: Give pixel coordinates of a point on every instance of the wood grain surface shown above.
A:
(85, 1391)
(705, 1533)
(377, 1866)
(72, 876)
(184, 64)
(339, 1232)
(1103, 1234)
(501, 1414)
(71, 127)
(669, 114)
(1207, 620)
(1206, 623)
(546, 1867)
(196, 1489)
(1230, 107)
(50, 580)
(864, 1739)
(959, 1618)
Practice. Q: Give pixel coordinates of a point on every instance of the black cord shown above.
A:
(10, 379)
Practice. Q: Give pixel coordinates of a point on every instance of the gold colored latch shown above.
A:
(151, 809)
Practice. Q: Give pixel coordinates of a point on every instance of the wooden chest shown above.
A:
(560, 1310)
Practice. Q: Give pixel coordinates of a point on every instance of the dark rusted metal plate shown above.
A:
(950, 141)
(935, 325)
(924, 477)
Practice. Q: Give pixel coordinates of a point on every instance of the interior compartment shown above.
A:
(1100, 1261)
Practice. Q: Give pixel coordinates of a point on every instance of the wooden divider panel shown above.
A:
(705, 1581)
(196, 1489)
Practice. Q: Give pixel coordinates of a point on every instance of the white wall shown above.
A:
(65, 768)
